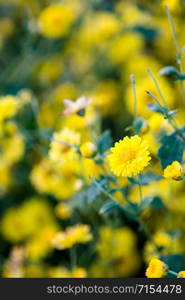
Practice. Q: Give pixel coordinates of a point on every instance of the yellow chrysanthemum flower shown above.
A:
(156, 268)
(9, 106)
(63, 142)
(174, 171)
(129, 156)
(55, 20)
(182, 274)
(73, 235)
(88, 149)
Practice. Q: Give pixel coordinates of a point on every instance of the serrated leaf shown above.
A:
(105, 142)
(169, 70)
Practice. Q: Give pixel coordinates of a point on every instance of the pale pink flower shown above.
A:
(76, 107)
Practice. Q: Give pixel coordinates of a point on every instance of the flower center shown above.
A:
(129, 156)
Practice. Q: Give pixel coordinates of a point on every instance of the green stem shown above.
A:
(174, 273)
(170, 119)
(157, 87)
(178, 52)
(140, 189)
(133, 83)
(64, 143)
(73, 258)
(140, 221)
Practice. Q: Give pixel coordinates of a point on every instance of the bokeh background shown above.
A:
(56, 50)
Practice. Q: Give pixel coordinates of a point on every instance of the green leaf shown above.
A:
(105, 142)
(92, 193)
(179, 78)
(153, 201)
(169, 70)
(145, 178)
(149, 177)
(157, 203)
(146, 203)
(175, 262)
(109, 206)
(158, 109)
(171, 113)
(171, 149)
(138, 124)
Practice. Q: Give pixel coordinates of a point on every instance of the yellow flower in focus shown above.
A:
(62, 211)
(88, 149)
(182, 274)
(174, 171)
(55, 20)
(72, 235)
(156, 269)
(64, 141)
(129, 156)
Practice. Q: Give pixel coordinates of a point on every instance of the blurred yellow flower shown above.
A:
(20, 223)
(88, 149)
(123, 46)
(174, 171)
(62, 211)
(39, 245)
(9, 106)
(55, 20)
(97, 29)
(129, 156)
(156, 269)
(63, 141)
(72, 235)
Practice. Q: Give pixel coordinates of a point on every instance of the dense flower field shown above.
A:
(92, 138)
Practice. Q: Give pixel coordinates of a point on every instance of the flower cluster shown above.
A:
(92, 138)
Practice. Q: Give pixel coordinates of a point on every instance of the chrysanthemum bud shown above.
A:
(88, 149)
(174, 171)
